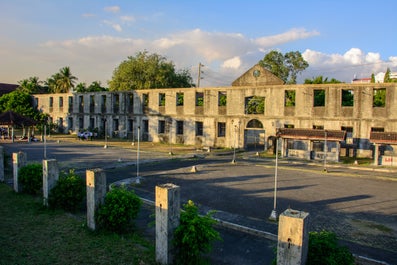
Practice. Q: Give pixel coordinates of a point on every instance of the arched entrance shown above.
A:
(254, 136)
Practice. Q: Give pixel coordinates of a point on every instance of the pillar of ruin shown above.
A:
(18, 160)
(96, 192)
(167, 219)
(293, 237)
(50, 177)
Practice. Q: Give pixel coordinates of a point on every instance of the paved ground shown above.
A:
(359, 205)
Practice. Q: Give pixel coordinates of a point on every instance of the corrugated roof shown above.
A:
(383, 137)
(15, 119)
(312, 134)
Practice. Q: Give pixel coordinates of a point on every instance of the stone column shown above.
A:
(96, 192)
(376, 154)
(50, 177)
(167, 219)
(18, 160)
(293, 237)
(2, 178)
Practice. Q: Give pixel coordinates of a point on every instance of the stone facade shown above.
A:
(221, 116)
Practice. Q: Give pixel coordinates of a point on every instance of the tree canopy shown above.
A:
(321, 80)
(286, 67)
(94, 87)
(61, 82)
(146, 71)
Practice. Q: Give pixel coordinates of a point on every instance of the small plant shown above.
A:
(31, 178)
(194, 235)
(68, 193)
(120, 208)
(324, 249)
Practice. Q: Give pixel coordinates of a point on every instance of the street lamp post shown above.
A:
(45, 139)
(138, 181)
(106, 135)
(234, 145)
(170, 136)
(273, 215)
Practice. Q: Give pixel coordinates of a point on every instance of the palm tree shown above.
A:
(30, 86)
(66, 80)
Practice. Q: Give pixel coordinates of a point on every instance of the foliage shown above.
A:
(320, 80)
(19, 102)
(347, 98)
(222, 99)
(120, 208)
(255, 105)
(61, 82)
(289, 98)
(286, 66)
(179, 100)
(68, 193)
(31, 85)
(94, 87)
(386, 78)
(31, 178)
(148, 71)
(319, 98)
(194, 235)
(324, 249)
(379, 98)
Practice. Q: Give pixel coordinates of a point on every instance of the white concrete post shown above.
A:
(293, 237)
(2, 178)
(50, 177)
(96, 192)
(167, 219)
(18, 160)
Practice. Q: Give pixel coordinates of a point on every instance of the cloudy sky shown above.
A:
(340, 39)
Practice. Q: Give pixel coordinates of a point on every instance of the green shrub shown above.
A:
(194, 235)
(68, 193)
(120, 208)
(324, 250)
(31, 178)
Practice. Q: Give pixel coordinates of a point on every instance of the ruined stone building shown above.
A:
(311, 120)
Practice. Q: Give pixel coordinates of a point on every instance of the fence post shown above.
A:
(50, 177)
(2, 178)
(96, 192)
(167, 219)
(18, 160)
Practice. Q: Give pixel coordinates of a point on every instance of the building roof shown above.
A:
(257, 76)
(312, 134)
(7, 88)
(383, 137)
(15, 119)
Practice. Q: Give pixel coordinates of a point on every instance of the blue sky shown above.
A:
(339, 39)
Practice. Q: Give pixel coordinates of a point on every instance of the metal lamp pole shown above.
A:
(138, 181)
(234, 145)
(45, 139)
(273, 215)
(325, 151)
(106, 134)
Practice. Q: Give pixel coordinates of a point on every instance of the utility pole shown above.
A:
(199, 74)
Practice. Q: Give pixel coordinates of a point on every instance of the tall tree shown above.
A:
(387, 79)
(286, 67)
(320, 80)
(148, 71)
(66, 80)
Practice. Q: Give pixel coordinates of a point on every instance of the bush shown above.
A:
(68, 193)
(31, 178)
(119, 209)
(324, 250)
(194, 235)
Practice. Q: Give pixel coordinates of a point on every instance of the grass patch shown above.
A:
(31, 234)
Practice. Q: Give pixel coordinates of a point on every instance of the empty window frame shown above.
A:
(199, 128)
(347, 98)
(289, 98)
(179, 99)
(60, 102)
(379, 98)
(318, 98)
(199, 99)
(221, 129)
(255, 105)
(179, 127)
(222, 98)
(161, 128)
(162, 99)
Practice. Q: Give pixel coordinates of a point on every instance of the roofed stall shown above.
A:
(383, 148)
(311, 143)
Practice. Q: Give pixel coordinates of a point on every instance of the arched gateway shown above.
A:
(254, 136)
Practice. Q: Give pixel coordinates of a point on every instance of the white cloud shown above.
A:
(127, 18)
(112, 9)
(115, 26)
(291, 35)
(234, 62)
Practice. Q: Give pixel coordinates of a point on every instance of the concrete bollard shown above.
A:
(2, 178)
(96, 192)
(167, 219)
(50, 177)
(293, 237)
(18, 160)
(194, 169)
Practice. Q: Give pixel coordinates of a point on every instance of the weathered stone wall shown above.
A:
(362, 116)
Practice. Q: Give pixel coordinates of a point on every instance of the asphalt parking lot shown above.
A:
(360, 206)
